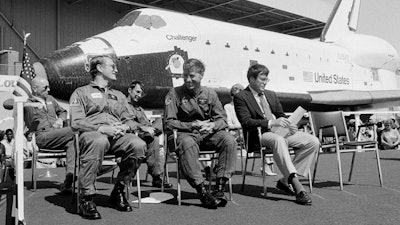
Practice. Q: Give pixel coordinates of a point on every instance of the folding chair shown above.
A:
(41, 153)
(333, 125)
(263, 153)
(171, 154)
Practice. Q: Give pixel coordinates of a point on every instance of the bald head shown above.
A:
(40, 87)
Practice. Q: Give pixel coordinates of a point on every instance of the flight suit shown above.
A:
(153, 147)
(182, 108)
(40, 119)
(92, 107)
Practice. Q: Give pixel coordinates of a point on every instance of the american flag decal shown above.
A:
(308, 76)
(23, 88)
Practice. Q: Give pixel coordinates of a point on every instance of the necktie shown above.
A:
(265, 107)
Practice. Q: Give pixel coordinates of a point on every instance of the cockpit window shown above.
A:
(128, 19)
(144, 21)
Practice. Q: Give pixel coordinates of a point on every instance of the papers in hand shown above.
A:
(294, 119)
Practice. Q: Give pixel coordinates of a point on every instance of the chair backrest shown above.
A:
(335, 118)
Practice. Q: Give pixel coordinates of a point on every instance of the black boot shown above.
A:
(118, 198)
(88, 208)
(219, 191)
(66, 187)
(206, 197)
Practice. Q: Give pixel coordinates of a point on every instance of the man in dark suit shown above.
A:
(257, 107)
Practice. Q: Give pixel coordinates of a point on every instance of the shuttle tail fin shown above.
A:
(342, 21)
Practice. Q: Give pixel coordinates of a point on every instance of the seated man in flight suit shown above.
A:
(45, 117)
(95, 112)
(196, 112)
(147, 132)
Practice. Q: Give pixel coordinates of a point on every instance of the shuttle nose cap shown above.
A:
(39, 70)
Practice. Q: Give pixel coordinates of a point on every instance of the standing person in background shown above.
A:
(231, 118)
(3, 162)
(390, 137)
(8, 144)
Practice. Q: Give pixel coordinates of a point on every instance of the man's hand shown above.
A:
(111, 130)
(149, 130)
(293, 128)
(59, 123)
(280, 122)
(122, 127)
(207, 127)
(199, 124)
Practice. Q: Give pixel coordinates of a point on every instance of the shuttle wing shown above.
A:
(341, 99)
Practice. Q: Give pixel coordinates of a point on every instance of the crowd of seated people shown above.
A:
(387, 132)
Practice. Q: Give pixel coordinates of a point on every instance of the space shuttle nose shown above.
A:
(65, 70)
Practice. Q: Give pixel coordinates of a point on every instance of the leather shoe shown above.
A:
(206, 198)
(88, 210)
(158, 182)
(288, 189)
(302, 198)
(118, 198)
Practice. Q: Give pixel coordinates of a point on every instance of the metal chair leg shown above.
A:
(76, 175)
(309, 180)
(34, 160)
(112, 177)
(147, 175)
(252, 166)
(378, 161)
(244, 171)
(315, 167)
(340, 169)
(263, 174)
(138, 188)
(352, 165)
(230, 190)
(178, 183)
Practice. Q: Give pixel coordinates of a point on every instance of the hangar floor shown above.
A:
(363, 201)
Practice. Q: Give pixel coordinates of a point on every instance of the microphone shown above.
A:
(8, 104)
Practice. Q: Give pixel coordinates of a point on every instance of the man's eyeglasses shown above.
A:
(113, 66)
(265, 80)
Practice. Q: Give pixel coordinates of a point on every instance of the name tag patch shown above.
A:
(96, 95)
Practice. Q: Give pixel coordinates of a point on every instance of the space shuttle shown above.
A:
(342, 70)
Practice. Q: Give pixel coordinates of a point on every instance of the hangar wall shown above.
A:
(77, 20)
